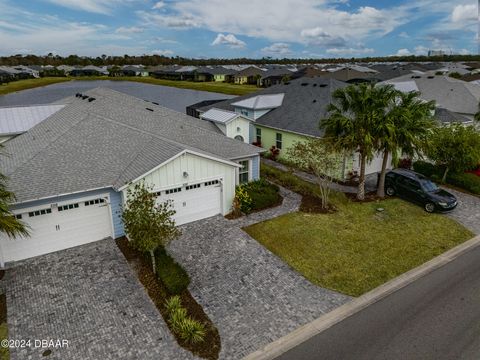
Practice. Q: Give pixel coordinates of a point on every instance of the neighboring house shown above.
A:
(350, 74)
(231, 124)
(15, 74)
(18, 120)
(275, 77)
(249, 75)
(175, 73)
(308, 71)
(134, 71)
(452, 94)
(192, 110)
(221, 74)
(71, 172)
(89, 70)
(285, 114)
(5, 76)
(67, 69)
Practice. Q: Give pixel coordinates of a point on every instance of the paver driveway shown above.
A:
(251, 295)
(468, 210)
(89, 296)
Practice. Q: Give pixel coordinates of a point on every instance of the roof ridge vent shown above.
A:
(84, 97)
(90, 99)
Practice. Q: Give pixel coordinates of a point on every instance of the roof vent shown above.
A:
(314, 100)
(322, 85)
(287, 83)
(314, 85)
(78, 95)
(431, 77)
(304, 84)
(149, 109)
(84, 97)
(153, 102)
(90, 99)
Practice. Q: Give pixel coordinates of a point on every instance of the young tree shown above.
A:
(350, 126)
(455, 147)
(404, 128)
(148, 224)
(317, 156)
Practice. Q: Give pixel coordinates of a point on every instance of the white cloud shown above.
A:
(421, 50)
(129, 30)
(277, 49)
(162, 40)
(462, 13)
(159, 5)
(403, 52)
(163, 52)
(404, 35)
(230, 40)
(284, 22)
(317, 36)
(94, 6)
(350, 51)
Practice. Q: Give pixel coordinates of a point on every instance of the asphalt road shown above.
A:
(436, 317)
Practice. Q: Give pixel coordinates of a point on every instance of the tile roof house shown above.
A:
(71, 171)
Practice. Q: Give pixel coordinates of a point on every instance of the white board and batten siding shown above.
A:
(239, 127)
(199, 187)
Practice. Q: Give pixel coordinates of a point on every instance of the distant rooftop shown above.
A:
(260, 102)
(219, 116)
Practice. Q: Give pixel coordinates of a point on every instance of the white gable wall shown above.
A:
(199, 170)
(239, 126)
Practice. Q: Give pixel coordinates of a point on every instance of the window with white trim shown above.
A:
(259, 135)
(40, 212)
(278, 142)
(18, 216)
(243, 172)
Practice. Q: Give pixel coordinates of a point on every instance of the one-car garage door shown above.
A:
(194, 202)
(59, 226)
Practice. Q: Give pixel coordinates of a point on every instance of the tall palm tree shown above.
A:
(8, 223)
(403, 129)
(353, 114)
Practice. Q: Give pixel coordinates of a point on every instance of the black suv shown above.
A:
(417, 188)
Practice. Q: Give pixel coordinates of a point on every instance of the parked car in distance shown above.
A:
(416, 188)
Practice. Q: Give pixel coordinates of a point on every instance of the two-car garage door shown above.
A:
(194, 202)
(59, 226)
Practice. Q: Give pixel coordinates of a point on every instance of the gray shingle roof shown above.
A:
(18, 119)
(446, 116)
(107, 142)
(304, 104)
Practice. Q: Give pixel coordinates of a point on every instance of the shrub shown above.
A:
(173, 304)
(173, 276)
(191, 330)
(467, 181)
(274, 152)
(427, 169)
(242, 201)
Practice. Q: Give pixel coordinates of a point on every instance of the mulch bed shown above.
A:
(369, 197)
(208, 349)
(312, 204)
(232, 215)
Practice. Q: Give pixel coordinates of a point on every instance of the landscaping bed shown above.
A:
(311, 199)
(159, 292)
(468, 182)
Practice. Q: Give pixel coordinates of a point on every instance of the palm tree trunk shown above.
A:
(361, 183)
(444, 178)
(381, 180)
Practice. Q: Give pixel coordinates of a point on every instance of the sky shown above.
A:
(238, 28)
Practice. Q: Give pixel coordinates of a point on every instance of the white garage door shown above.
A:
(194, 202)
(59, 226)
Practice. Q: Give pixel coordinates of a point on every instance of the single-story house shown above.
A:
(249, 75)
(71, 172)
(222, 74)
(282, 115)
(134, 71)
(89, 70)
(19, 119)
(275, 76)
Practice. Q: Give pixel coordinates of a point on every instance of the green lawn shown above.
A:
(29, 84)
(218, 87)
(358, 248)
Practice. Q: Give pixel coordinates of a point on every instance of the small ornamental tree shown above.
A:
(148, 224)
(318, 157)
(456, 148)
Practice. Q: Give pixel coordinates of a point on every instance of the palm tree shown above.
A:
(353, 114)
(8, 223)
(405, 126)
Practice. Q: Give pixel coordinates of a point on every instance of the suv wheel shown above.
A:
(430, 207)
(390, 191)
